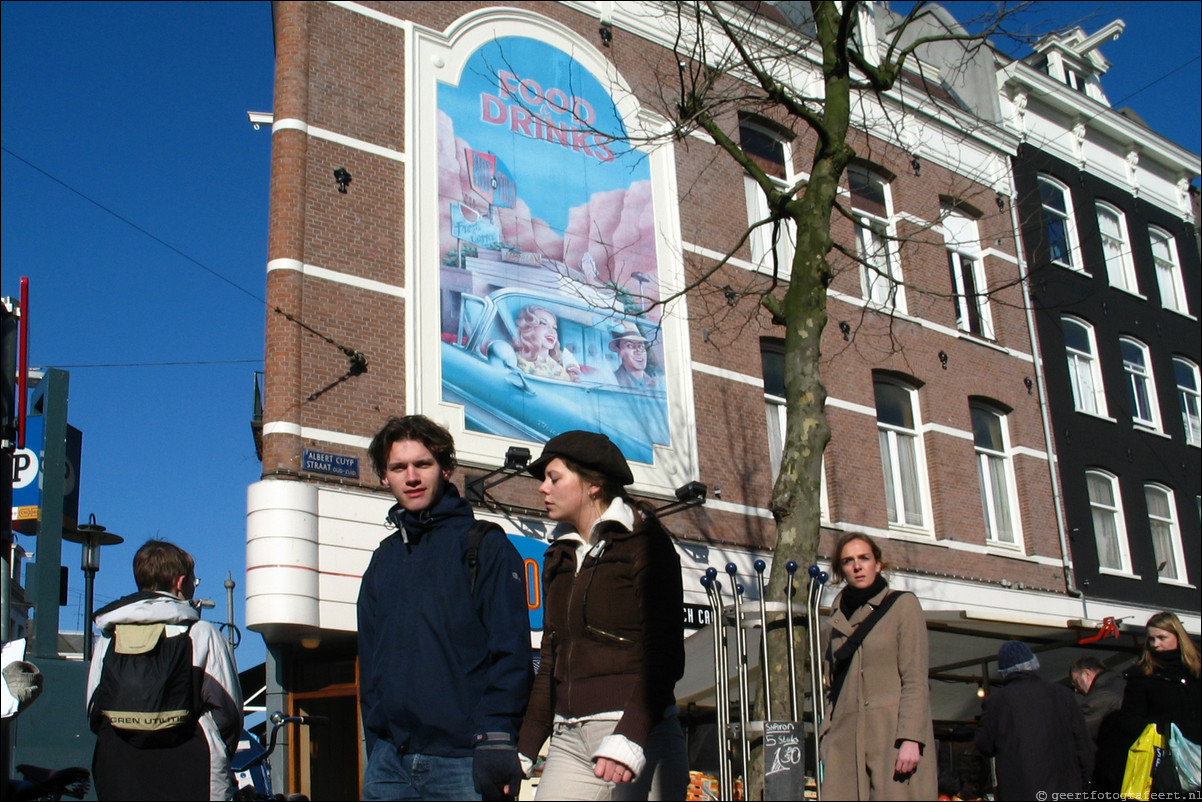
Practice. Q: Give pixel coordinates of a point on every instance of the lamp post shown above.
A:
(91, 536)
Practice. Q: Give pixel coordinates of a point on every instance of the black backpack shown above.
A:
(471, 554)
(148, 689)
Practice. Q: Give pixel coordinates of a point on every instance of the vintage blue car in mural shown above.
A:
(480, 370)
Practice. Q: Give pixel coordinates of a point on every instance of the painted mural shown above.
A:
(547, 245)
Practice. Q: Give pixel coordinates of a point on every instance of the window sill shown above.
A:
(1177, 583)
(1183, 313)
(1146, 428)
(982, 340)
(1002, 548)
(1078, 270)
(1119, 574)
(1099, 416)
(1132, 293)
(910, 532)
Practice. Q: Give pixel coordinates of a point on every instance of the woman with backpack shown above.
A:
(877, 741)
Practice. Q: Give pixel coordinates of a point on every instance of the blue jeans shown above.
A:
(390, 775)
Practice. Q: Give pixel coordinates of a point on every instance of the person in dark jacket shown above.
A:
(613, 635)
(444, 663)
(1163, 688)
(1101, 691)
(1035, 731)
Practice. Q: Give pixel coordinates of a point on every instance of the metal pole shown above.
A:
(229, 608)
(89, 577)
(760, 565)
(741, 666)
(721, 682)
(791, 568)
(813, 598)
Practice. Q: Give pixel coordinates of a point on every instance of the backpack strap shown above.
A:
(841, 659)
(471, 554)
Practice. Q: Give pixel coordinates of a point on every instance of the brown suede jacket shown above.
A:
(613, 634)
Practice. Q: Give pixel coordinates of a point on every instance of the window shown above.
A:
(1166, 535)
(1083, 371)
(1116, 248)
(1141, 388)
(967, 273)
(879, 270)
(899, 452)
(994, 472)
(1188, 396)
(1058, 229)
(770, 152)
(1109, 531)
(772, 358)
(1168, 271)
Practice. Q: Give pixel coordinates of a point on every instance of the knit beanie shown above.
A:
(1016, 656)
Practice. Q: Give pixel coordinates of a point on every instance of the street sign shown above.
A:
(27, 478)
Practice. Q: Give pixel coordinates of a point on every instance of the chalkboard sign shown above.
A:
(784, 760)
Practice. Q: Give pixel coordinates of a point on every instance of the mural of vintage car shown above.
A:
(480, 370)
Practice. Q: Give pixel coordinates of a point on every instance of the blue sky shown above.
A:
(141, 109)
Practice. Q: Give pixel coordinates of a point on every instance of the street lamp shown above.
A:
(91, 536)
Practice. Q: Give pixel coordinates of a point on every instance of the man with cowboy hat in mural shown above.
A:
(631, 347)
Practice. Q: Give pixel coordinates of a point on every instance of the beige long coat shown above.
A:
(885, 698)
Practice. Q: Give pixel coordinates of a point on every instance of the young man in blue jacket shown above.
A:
(444, 650)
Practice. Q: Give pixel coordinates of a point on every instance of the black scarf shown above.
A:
(853, 599)
(1170, 663)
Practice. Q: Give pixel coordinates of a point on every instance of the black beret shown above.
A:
(589, 450)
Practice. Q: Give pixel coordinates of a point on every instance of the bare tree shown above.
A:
(746, 58)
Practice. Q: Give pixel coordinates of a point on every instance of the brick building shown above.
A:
(438, 168)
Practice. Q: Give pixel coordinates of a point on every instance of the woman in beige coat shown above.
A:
(877, 741)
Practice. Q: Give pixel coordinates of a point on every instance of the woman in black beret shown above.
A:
(613, 634)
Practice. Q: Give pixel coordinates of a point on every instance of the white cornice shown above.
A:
(1043, 89)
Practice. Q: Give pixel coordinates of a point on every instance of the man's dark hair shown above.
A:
(158, 564)
(412, 427)
(1086, 663)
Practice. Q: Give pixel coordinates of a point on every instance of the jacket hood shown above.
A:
(145, 607)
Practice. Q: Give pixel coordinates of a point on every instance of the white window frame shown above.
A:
(1085, 366)
(1073, 251)
(1168, 271)
(1114, 511)
(1189, 398)
(880, 285)
(1116, 248)
(967, 268)
(1172, 532)
(994, 468)
(760, 239)
(913, 513)
(1141, 385)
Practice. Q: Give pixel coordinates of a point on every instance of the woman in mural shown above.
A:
(877, 741)
(612, 634)
(537, 346)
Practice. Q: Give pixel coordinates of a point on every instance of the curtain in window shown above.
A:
(911, 496)
(995, 495)
(1081, 373)
(1105, 524)
(1160, 519)
(890, 490)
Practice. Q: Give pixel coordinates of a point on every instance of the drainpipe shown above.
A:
(1070, 581)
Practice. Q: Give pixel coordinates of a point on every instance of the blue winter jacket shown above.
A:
(438, 662)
